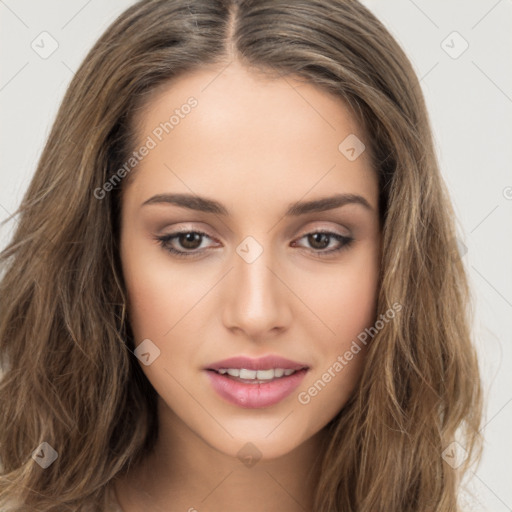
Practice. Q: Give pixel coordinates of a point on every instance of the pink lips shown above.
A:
(254, 395)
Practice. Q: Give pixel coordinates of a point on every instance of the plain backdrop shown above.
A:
(462, 53)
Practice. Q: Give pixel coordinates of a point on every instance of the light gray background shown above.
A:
(470, 103)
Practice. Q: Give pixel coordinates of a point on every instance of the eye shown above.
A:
(190, 242)
(319, 240)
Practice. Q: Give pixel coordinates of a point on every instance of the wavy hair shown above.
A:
(69, 376)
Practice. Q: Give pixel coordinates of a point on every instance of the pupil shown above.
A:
(188, 240)
(316, 240)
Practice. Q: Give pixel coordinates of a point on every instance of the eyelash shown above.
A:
(165, 239)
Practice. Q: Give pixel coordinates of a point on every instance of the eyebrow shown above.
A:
(203, 204)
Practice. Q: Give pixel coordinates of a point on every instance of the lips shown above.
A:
(253, 393)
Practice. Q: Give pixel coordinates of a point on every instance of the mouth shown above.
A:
(255, 383)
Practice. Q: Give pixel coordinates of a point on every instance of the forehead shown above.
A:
(250, 133)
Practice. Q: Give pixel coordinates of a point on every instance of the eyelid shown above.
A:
(189, 229)
(316, 229)
(324, 229)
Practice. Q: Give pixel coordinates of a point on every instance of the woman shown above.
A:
(234, 283)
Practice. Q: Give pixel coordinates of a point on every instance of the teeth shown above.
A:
(247, 374)
(243, 373)
(261, 374)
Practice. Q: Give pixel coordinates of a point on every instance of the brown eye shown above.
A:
(183, 243)
(190, 240)
(318, 241)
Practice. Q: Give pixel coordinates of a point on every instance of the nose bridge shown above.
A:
(256, 295)
(255, 283)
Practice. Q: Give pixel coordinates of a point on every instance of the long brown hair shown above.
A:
(69, 374)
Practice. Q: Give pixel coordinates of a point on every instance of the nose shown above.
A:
(258, 303)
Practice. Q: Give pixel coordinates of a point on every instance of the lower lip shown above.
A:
(255, 396)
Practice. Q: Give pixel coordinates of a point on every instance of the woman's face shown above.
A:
(246, 167)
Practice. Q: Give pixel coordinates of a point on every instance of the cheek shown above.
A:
(160, 293)
(345, 301)
(160, 297)
(351, 303)
(343, 297)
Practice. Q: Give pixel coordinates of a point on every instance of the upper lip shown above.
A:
(262, 363)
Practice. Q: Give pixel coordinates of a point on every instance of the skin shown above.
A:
(256, 145)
